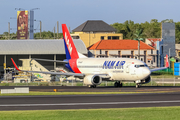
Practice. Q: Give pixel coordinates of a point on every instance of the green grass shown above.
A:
(163, 76)
(68, 93)
(153, 113)
(77, 93)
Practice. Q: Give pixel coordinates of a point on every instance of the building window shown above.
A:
(141, 59)
(123, 56)
(151, 51)
(132, 54)
(102, 37)
(107, 54)
(154, 59)
(145, 56)
(109, 37)
(75, 37)
(119, 53)
(115, 37)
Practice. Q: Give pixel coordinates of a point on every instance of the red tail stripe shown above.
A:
(15, 65)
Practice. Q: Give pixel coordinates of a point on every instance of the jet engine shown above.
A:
(147, 80)
(92, 80)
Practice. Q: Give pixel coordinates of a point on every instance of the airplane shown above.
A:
(96, 70)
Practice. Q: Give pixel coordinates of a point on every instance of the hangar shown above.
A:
(43, 49)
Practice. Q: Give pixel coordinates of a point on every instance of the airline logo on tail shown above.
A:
(167, 62)
(69, 44)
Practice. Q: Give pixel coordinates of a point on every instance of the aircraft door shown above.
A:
(127, 68)
(132, 69)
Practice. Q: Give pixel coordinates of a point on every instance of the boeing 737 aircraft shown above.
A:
(96, 70)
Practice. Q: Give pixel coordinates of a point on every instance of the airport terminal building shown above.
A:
(27, 49)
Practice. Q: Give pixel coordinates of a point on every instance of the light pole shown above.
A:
(40, 26)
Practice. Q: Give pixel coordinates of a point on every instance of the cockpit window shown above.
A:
(137, 66)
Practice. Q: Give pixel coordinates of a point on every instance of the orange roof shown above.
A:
(119, 44)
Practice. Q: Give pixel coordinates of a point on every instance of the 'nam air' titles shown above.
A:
(113, 64)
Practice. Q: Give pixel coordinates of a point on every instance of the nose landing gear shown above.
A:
(137, 85)
(92, 86)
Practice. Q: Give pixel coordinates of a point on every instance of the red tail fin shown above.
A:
(167, 61)
(69, 44)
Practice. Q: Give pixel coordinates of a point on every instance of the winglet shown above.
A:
(15, 65)
(167, 61)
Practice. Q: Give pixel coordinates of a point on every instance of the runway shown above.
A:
(89, 101)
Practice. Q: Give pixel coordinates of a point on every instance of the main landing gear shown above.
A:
(92, 86)
(137, 85)
(118, 84)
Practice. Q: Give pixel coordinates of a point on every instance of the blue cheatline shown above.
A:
(66, 50)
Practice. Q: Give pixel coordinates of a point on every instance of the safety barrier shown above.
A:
(15, 90)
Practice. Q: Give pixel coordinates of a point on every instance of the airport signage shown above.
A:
(22, 24)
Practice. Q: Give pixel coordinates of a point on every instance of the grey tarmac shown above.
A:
(89, 101)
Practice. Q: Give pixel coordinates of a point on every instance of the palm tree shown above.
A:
(138, 35)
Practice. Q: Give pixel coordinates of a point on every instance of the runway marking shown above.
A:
(110, 103)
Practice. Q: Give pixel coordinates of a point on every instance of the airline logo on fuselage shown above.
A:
(68, 44)
(113, 64)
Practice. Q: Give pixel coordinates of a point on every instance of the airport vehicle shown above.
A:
(96, 70)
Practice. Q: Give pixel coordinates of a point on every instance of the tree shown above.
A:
(138, 35)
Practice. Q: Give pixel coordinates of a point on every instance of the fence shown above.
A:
(162, 81)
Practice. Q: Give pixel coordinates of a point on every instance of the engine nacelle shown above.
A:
(147, 80)
(92, 80)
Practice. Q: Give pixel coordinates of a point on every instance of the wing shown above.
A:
(162, 68)
(156, 69)
(52, 73)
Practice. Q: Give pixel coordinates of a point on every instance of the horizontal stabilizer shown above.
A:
(162, 68)
(52, 73)
(63, 62)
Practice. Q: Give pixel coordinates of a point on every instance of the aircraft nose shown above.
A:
(146, 72)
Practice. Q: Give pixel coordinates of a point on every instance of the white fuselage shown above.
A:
(123, 69)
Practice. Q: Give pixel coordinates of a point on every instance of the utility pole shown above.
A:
(8, 30)
(54, 32)
(57, 29)
(40, 29)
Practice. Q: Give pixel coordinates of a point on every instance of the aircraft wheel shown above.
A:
(90, 86)
(115, 84)
(120, 84)
(137, 85)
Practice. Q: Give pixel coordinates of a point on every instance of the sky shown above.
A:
(75, 12)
